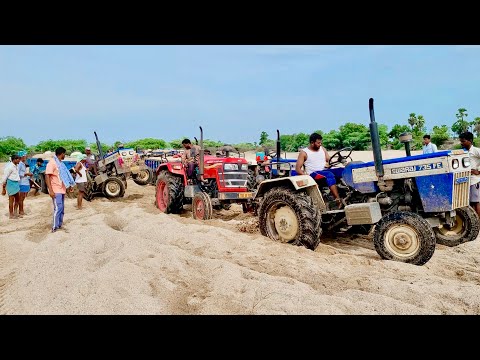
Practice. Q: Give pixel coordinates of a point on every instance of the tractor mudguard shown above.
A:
(298, 182)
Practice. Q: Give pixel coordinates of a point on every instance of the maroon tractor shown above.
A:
(216, 183)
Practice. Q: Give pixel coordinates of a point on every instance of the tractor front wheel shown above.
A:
(202, 206)
(290, 217)
(144, 177)
(405, 237)
(113, 187)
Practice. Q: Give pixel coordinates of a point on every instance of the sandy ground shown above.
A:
(124, 257)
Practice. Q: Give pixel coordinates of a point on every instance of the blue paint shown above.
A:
(153, 164)
(461, 180)
(436, 192)
(364, 187)
(406, 158)
(33, 161)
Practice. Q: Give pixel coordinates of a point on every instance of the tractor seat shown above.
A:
(320, 180)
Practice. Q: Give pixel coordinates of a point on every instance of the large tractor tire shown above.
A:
(88, 193)
(290, 217)
(113, 187)
(43, 183)
(465, 228)
(202, 206)
(144, 177)
(404, 237)
(169, 193)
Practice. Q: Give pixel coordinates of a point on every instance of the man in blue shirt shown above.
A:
(428, 146)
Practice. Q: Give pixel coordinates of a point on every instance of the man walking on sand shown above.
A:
(58, 178)
(11, 185)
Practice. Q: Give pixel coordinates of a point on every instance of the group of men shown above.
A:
(18, 181)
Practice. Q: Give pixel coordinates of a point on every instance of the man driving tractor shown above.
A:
(315, 158)
(190, 157)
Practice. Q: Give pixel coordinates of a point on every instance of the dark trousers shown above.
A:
(190, 170)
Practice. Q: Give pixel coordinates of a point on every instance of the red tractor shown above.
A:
(217, 182)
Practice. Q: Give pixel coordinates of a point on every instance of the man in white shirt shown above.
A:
(466, 139)
(428, 146)
(315, 159)
(11, 185)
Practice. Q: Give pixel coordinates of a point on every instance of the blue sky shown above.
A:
(235, 92)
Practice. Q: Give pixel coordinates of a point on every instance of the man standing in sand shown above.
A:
(466, 139)
(428, 146)
(315, 158)
(58, 178)
(24, 180)
(190, 156)
(81, 178)
(11, 185)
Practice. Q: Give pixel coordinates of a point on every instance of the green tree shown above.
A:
(476, 126)
(394, 135)
(263, 138)
(440, 134)
(9, 145)
(147, 143)
(117, 143)
(69, 145)
(332, 140)
(412, 120)
(419, 126)
(355, 135)
(94, 148)
(461, 125)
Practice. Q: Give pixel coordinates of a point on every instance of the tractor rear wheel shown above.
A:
(465, 228)
(202, 206)
(290, 217)
(144, 177)
(113, 187)
(169, 193)
(404, 237)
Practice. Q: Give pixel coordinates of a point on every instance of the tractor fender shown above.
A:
(298, 182)
(174, 168)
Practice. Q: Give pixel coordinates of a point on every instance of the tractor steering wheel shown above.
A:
(339, 158)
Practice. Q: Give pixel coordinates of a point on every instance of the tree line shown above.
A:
(349, 134)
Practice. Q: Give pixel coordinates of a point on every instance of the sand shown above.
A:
(124, 257)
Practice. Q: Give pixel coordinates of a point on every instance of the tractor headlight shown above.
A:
(244, 167)
(230, 167)
(259, 178)
(455, 164)
(466, 162)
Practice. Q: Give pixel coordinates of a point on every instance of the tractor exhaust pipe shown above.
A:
(202, 153)
(196, 140)
(99, 146)
(377, 152)
(278, 150)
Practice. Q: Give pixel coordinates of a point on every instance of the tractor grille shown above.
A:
(461, 191)
(233, 179)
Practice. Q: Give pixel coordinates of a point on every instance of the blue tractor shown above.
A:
(409, 203)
